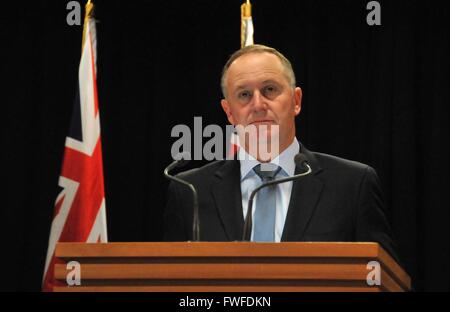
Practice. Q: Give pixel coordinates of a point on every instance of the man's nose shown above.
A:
(258, 101)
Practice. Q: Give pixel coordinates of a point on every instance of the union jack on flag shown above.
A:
(79, 211)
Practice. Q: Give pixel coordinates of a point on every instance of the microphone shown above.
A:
(183, 160)
(300, 161)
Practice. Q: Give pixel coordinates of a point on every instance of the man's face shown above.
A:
(259, 93)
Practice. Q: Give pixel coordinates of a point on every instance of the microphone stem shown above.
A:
(195, 222)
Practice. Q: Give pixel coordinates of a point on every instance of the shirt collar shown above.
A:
(285, 160)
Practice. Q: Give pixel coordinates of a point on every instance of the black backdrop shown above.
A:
(372, 94)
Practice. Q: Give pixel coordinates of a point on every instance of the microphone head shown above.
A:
(183, 159)
(300, 160)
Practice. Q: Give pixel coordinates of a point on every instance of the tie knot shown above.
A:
(267, 172)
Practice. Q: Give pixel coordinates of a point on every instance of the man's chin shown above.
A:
(268, 147)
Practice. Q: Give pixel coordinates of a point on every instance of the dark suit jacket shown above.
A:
(339, 201)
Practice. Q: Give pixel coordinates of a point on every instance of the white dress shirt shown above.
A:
(249, 181)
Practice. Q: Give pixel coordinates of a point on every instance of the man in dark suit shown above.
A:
(340, 200)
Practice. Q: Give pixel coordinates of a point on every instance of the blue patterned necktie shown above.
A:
(264, 218)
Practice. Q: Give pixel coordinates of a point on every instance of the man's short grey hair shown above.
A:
(257, 48)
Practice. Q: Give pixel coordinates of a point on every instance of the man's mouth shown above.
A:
(263, 122)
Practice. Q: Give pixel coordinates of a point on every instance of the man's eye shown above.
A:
(270, 89)
(244, 95)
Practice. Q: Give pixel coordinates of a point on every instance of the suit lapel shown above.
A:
(304, 198)
(228, 199)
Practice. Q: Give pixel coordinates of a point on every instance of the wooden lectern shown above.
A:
(228, 267)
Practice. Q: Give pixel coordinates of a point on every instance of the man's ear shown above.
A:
(297, 100)
(226, 108)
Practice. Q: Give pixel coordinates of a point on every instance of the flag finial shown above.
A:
(246, 9)
(246, 24)
(89, 13)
